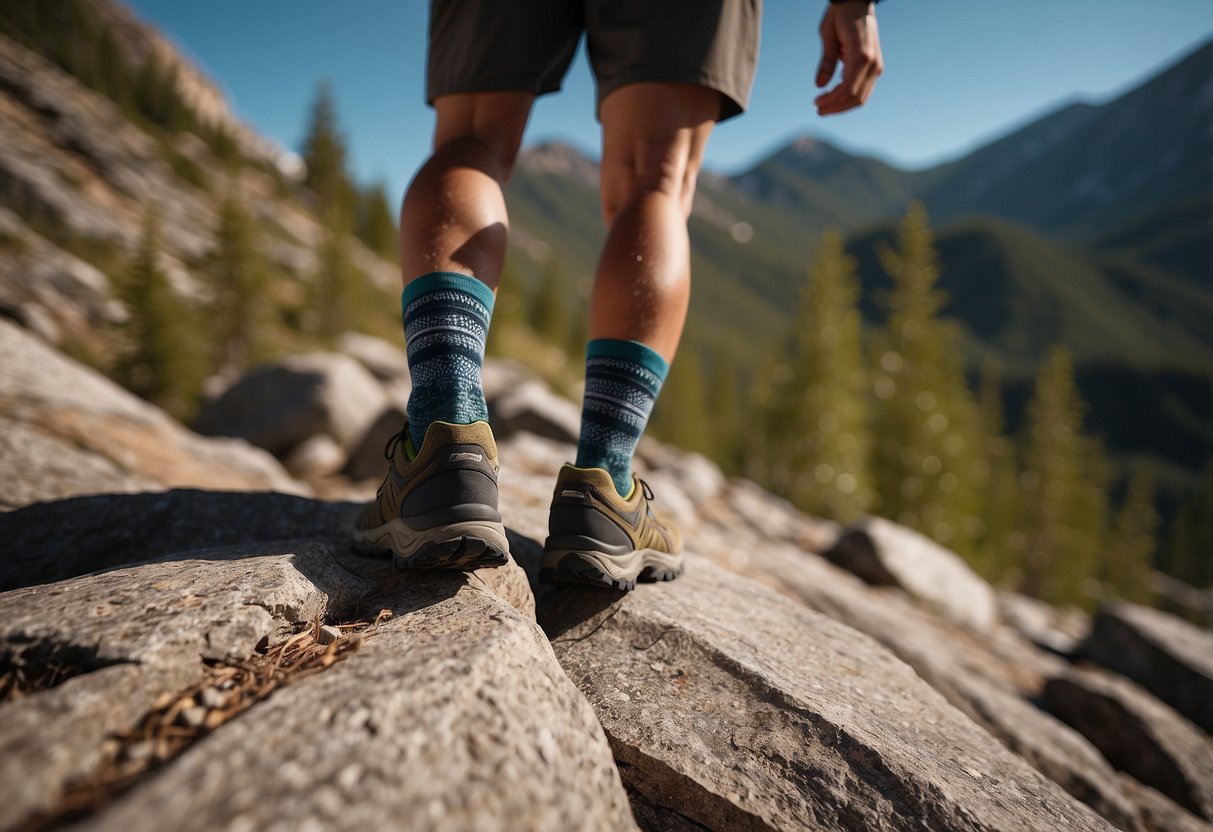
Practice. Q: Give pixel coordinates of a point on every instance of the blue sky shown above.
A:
(958, 72)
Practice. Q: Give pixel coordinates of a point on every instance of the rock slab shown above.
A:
(739, 709)
(454, 715)
(1166, 655)
(883, 552)
(137, 633)
(67, 430)
(1137, 734)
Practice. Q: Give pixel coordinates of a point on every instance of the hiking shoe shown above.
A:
(439, 509)
(596, 537)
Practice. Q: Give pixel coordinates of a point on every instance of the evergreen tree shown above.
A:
(814, 444)
(1190, 539)
(333, 283)
(928, 464)
(1063, 491)
(1129, 563)
(994, 555)
(376, 225)
(324, 154)
(681, 415)
(237, 279)
(159, 361)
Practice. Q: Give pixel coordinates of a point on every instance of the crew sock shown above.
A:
(622, 380)
(446, 323)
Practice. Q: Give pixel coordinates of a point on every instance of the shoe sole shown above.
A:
(612, 571)
(464, 546)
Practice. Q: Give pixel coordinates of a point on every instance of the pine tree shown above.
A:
(994, 554)
(238, 284)
(376, 225)
(1129, 563)
(681, 414)
(1063, 491)
(928, 464)
(324, 154)
(333, 281)
(159, 362)
(1189, 552)
(815, 441)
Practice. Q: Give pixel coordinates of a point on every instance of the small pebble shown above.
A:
(328, 634)
(213, 698)
(194, 716)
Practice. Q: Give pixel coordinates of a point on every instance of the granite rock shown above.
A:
(740, 709)
(1166, 655)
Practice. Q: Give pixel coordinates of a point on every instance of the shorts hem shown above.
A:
(733, 103)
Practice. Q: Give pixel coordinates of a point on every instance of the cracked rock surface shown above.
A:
(454, 715)
(143, 632)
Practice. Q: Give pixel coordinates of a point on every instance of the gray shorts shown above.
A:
(527, 45)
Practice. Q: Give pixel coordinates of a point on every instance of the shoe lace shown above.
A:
(389, 450)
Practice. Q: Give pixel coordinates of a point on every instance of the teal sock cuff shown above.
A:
(641, 354)
(434, 281)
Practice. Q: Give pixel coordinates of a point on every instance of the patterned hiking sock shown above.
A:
(622, 380)
(446, 322)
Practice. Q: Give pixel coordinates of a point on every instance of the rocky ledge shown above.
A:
(184, 648)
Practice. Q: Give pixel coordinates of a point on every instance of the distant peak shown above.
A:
(555, 157)
(810, 147)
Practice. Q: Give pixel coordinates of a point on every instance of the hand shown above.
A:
(848, 32)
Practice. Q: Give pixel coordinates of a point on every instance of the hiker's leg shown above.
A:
(654, 136)
(453, 230)
(454, 217)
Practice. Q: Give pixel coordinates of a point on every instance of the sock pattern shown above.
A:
(622, 381)
(446, 324)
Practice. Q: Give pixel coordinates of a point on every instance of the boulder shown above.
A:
(698, 477)
(1137, 734)
(1056, 630)
(385, 361)
(1166, 655)
(532, 407)
(68, 430)
(883, 552)
(279, 405)
(452, 714)
(315, 457)
(740, 709)
(367, 459)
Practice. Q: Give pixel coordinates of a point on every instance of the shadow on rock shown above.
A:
(564, 608)
(62, 539)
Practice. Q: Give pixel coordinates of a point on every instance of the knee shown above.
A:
(672, 176)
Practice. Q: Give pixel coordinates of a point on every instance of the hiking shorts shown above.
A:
(527, 45)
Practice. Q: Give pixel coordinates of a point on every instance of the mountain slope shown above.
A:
(1083, 169)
